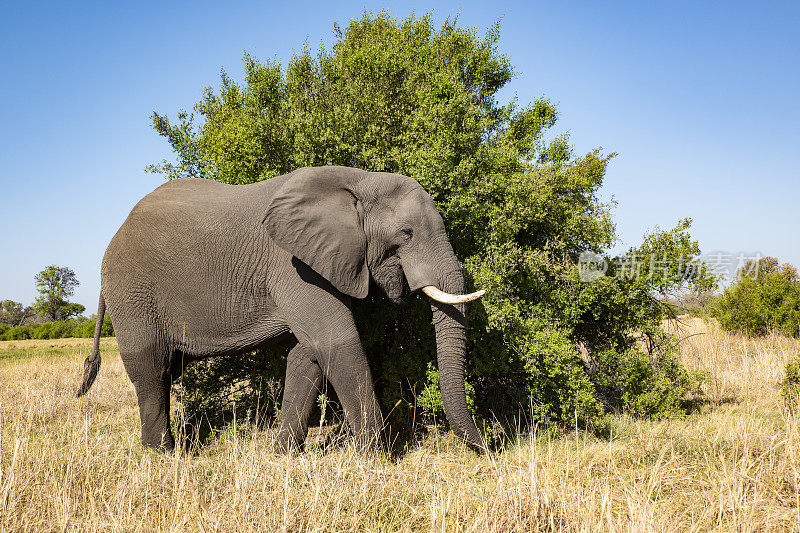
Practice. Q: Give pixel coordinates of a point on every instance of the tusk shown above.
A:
(447, 298)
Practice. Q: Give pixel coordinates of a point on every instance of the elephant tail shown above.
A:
(92, 363)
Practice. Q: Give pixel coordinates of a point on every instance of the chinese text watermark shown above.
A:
(722, 265)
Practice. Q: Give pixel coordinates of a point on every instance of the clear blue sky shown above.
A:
(700, 99)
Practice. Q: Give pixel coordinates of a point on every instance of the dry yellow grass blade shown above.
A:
(77, 465)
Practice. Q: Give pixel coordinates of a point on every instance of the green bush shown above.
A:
(42, 331)
(74, 327)
(519, 204)
(86, 328)
(17, 333)
(790, 385)
(215, 391)
(765, 297)
(648, 385)
(63, 328)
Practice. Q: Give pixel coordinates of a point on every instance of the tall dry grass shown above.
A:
(77, 465)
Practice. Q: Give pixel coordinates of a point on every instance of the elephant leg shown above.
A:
(148, 371)
(303, 381)
(153, 396)
(321, 320)
(345, 367)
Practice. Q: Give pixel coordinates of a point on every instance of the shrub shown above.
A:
(790, 385)
(63, 328)
(18, 333)
(86, 328)
(75, 327)
(520, 207)
(42, 331)
(54, 330)
(247, 387)
(649, 385)
(765, 297)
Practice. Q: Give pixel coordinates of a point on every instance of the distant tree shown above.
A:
(55, 284)
(14, 313)
(765, 297)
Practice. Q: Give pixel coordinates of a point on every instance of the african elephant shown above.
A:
(201, 268)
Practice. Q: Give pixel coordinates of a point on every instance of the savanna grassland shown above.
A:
(77, 465)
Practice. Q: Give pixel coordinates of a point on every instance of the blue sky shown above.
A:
(700, 100)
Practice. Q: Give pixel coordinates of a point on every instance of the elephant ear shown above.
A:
(316, 217)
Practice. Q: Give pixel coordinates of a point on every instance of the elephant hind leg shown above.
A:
(303, 381)
(153, 399)
(147, 367)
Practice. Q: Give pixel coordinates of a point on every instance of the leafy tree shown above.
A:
(521, 207)
(765, 297)
(55, 284)
(14, 313)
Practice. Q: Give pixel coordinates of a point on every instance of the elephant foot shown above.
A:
(285, 443)
(163, 443)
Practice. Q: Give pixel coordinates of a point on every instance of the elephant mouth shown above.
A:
(389, 277)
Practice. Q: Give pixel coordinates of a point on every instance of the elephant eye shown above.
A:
(407, 233)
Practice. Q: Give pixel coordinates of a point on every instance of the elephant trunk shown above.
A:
(451, 345)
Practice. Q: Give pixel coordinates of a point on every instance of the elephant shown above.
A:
(202, 268)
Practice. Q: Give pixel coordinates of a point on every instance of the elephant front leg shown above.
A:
(303, 381)
(344, 364)
(321, 320)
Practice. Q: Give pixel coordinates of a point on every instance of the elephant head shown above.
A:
(348, 225)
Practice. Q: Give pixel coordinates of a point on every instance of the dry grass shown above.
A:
(71, 464)
(54, 343)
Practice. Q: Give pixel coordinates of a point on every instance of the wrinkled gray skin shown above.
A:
(201, 268)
